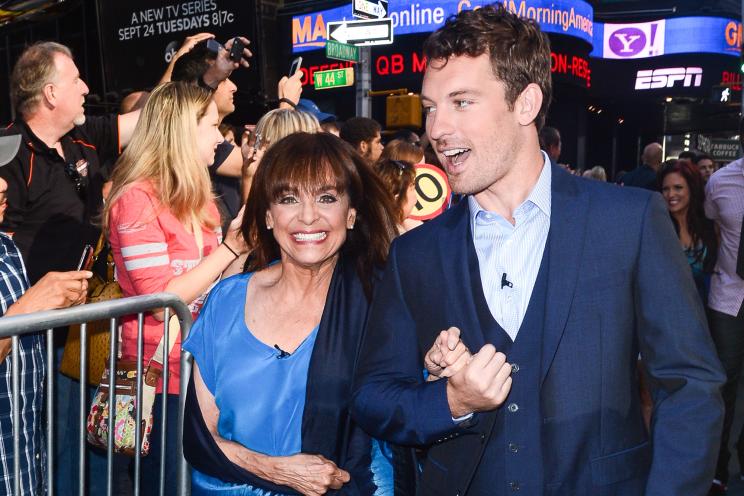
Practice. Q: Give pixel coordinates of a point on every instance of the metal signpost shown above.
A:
(363, 34)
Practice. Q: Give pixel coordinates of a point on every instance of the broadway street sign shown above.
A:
(341, 51)
(362, 33)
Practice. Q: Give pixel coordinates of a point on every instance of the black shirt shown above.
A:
(51, 221)
(642, 176)
(227, 189)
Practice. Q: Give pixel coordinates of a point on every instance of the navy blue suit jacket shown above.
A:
(618, 284)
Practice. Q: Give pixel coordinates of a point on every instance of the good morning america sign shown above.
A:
(568, 17)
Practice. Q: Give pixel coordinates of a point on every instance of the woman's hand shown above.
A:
(312, 475)
(234, 237)
(447, 355)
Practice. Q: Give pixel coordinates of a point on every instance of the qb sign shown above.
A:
(432, 192)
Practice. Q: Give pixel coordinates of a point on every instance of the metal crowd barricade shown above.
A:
(111, 310)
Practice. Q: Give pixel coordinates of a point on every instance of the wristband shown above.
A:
(231, 250)
(288, 101)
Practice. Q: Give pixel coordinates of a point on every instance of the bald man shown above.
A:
(644, 176)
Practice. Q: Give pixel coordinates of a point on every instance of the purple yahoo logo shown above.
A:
(627, 42)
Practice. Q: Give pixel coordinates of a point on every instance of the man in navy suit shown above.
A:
(556, 284)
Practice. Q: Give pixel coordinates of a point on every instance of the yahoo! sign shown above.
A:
(632, 41)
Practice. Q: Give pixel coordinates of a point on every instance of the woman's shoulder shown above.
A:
(139, 194)
(232, 286)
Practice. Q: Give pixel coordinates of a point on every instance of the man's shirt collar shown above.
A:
(540, 196)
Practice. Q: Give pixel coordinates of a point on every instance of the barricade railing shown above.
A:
(112, 310)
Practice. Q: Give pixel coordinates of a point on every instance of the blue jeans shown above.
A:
(150, 465)
(66, 452)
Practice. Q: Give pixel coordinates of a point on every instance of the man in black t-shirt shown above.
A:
(56, 177)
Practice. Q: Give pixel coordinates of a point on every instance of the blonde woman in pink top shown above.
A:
(161, 191)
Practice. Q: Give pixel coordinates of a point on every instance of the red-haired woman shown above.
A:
(682, 186)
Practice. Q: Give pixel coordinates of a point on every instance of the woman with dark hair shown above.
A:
(275, 348)
(682, 186)
(400, 178)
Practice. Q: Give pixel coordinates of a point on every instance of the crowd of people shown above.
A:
(547, 334)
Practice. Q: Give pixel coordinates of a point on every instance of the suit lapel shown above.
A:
(566, 241)
(454, 258)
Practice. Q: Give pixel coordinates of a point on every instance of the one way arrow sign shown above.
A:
(362, 33)
(370, 9)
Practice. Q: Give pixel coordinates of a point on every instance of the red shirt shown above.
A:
(151, 247)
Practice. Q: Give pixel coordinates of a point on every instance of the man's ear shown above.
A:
(50, 95)
(528, 104)
(363, 147)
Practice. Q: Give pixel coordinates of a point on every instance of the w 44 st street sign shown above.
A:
(362, 33)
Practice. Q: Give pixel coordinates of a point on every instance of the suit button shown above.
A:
(513, 407)
(483, 438)
(515, 368)
(513, 448)
(514, 486)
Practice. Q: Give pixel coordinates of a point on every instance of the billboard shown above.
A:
(140, 36)
(626, 41)
(568, 17)
(667, 37)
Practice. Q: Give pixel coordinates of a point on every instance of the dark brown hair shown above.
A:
(309, 162)
(398, 175)
(518, 49)
(700, 227)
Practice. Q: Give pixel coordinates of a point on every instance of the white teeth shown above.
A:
(454, 151)
(310, 237)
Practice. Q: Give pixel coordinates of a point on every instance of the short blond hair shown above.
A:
(34, 69)
(279, 123)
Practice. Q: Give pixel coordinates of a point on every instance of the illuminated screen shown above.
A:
(667, 37)
(567, 17)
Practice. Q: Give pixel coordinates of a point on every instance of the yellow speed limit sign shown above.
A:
(432, 192)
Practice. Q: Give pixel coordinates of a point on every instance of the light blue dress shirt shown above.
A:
(509, 256)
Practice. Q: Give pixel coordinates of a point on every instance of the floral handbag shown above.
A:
(125, 401)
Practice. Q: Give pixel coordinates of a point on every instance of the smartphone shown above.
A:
(236, 51)
(86, 259)
(214, 45)
(258, 142)
(296, 64)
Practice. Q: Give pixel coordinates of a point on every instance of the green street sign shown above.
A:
(336, 78)
(341, 51)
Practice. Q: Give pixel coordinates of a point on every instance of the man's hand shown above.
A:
(186, 47)
(223, 65)
(54, 290)
(312, 475)
(290, 88)
(189, 43)
(447, 356)
(482, 385)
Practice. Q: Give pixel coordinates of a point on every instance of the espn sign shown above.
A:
(668, 77)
